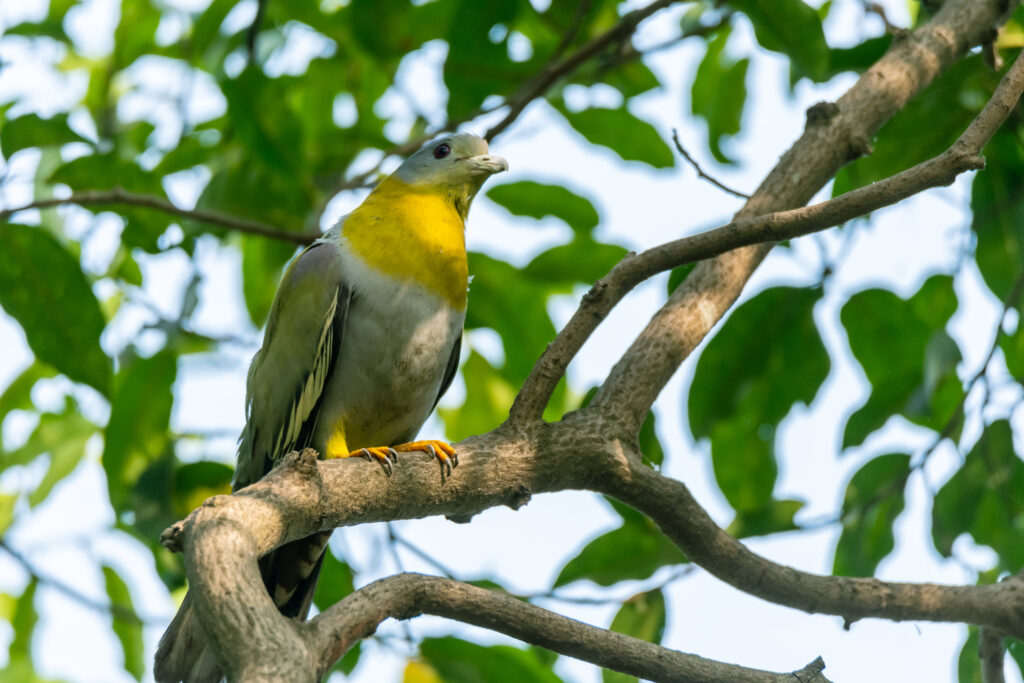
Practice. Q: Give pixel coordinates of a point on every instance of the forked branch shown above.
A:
(595, 448)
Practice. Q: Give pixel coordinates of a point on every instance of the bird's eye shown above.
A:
(442, 150)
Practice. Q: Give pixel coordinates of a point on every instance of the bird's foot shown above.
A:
(444, 453)
(384, 455)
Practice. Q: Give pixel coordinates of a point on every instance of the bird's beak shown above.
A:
(488, 164)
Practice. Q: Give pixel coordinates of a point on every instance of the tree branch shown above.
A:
(120, 196)
(700, 171)
(408, 595)
(992, 654)
(115, 610)
(712, 287)
(834, 135)
(595, 448)
(553, 71)
(223, 538)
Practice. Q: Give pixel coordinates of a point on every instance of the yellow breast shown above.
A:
(412, 234)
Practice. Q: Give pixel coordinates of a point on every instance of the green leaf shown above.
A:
(128, 631)
(792, 28)
(633, 139)
(336, 581)
(477, 67)
(194, 482)
(1011, 344)
(24, 623)
(29, 130)
(773, 517)
(985, 498)
(18, 394)
(151, 497)
(633, 551)
(859, 57)
(43, 288)
(650, 445)
(998, 219)
(581, 261)
(140, 412)
(947, 106)
(488, 398)
(719, 94)
(873, 501)
(968, 665)
(677, 276)
(643, 617)
(458, 661)
(7, 502)
(135, 33)
(739, 396)
(64, 437)
(263, 262)
(906, 354)
(537, 200)
(502, 298)
(100, 172)
(259, 110)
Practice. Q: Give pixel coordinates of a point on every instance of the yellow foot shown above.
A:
(444, 453)
(382, 454)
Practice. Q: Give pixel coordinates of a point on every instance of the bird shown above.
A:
(362, 340)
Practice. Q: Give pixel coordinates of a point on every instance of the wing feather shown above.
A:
(300, 350)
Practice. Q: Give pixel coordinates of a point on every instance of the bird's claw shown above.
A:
(384, 455)
(439, 450)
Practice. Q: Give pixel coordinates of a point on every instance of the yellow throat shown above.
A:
(415, 234)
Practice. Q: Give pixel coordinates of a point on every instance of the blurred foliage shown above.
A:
(285, 135)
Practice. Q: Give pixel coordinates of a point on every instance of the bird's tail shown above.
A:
(183, 654)
(290, 574)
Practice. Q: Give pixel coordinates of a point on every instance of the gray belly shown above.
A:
(396, 346)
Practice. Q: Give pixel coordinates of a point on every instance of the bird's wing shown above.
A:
(450, 369)
(289, 373)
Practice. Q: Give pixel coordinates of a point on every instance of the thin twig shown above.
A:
(551, 73)
(553, 70)
(962, 156)
(890, 28)
(253, 32)
(700, 171)
(956, 417)
(115, 610)
(399, 566)
(120, 196)
(419, 552)
(577, 20)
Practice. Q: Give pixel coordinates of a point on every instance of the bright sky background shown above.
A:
(640, 207)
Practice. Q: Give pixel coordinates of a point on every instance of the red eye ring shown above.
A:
(442, 150)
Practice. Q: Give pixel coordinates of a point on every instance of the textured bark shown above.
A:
(596, 448)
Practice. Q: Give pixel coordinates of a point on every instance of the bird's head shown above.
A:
(455, 165)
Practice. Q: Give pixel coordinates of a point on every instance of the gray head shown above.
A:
(456, 165)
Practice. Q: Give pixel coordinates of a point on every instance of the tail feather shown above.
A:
(290, 574)
(182, 654)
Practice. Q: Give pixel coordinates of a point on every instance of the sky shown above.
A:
(640, 208)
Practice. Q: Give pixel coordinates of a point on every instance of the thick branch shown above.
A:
(834, 135)
(222, 539)
(119, 196)
(589, 449)
(408, 595)
(634, 375)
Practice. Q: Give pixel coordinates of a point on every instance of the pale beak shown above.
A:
(488, 163)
